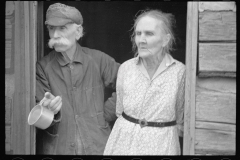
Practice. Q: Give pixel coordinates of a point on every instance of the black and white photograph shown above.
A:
(120, 78)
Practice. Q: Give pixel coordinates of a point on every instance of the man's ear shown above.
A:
(79, 32)
(166, 39)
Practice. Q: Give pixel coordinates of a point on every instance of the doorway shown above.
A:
(107, 27)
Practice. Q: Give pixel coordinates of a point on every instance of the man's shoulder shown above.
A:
(91, 51)
(97, 55)
(48, 58)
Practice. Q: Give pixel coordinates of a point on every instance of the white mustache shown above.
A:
(61, 41)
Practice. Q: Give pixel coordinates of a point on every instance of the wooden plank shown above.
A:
(19, 118)
(217, 74)
(215, 141)
(23, 98)
(191, 64)
(7, 139)
(216, 126)
(8, 121)
(8, 110)
(215, 106)
(217, 58)
(33, 55)
(217, 84)
(217, 6)
(26, 93)
(217, 26)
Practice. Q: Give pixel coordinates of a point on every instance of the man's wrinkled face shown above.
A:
(62, 38)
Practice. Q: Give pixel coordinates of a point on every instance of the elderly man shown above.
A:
(70, 81)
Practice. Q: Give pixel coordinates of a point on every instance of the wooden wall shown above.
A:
(215, 123)
(9, 73)
(20, 44)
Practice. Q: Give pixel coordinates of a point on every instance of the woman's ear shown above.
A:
(166, 39)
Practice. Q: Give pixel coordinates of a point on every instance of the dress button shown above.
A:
(73, 144)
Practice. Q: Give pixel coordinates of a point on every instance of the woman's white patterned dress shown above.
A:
(160, 99)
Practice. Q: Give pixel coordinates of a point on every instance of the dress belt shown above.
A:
(144, 123)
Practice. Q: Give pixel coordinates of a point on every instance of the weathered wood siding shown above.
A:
(20, 76)
(217, 39)
(9, 74)
(215, 129)
(217, 59)
(215, 138)
(216, 100)
(217, 6)
(215, 116)
(217, 26)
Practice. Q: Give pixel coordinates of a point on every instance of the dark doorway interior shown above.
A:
(107, 27)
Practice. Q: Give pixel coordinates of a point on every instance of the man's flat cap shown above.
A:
(60, 14)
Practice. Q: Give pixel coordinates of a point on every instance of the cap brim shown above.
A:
(55, 21)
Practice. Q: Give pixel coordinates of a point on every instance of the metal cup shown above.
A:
(40, 117)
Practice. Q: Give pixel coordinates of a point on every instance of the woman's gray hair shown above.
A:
(168, 22)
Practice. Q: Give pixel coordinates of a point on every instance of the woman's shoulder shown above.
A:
(180, 68)
(127, 65)
(180, 64)
(129, 62)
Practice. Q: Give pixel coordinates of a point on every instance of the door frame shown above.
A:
(191, 69)
(25, 44)
(190, 84)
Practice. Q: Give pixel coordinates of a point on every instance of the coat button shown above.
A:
(73, 144)
(71, 66)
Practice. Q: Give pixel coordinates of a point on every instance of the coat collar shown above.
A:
(78, 56)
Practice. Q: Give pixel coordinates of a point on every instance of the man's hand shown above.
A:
(51, 102)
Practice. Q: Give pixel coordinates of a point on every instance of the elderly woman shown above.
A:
(150, 92)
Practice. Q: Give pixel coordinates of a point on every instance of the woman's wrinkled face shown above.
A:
(149, 37)
(62, 38)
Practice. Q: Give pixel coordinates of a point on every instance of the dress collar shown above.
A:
(167, 61)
